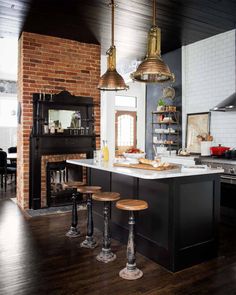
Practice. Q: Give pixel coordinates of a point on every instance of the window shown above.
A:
(8, 112)
(125, 130)
(126, 101)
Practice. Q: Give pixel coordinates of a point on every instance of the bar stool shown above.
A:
(72, 184)
(74, 231)
(89, 242)
(106, 254)
(131, 272)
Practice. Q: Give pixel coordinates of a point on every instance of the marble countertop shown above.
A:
(140, 173)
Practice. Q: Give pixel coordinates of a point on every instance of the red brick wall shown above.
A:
(50, 64)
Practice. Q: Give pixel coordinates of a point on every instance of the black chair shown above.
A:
(4, 170)
(12, 150)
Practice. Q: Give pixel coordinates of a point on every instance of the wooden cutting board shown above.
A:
(145, 166)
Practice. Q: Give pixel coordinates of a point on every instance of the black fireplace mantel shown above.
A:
(56, 144)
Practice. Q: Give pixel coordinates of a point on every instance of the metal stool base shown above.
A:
(89, 243)
(106, 256)
(130, 274)
(73, 232)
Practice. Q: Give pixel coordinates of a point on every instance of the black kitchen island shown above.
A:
(180, 227)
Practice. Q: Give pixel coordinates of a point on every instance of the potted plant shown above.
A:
(161, 105)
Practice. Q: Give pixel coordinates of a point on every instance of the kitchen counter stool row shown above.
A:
(130, 272)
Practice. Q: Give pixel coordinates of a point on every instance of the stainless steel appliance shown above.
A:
(228, 186)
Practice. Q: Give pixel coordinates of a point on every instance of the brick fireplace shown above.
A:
(49, 65)
(45, 160)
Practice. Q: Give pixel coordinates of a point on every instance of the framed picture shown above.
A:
(198, 124)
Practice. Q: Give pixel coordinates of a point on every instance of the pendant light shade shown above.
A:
(112, 80)
(153, 69)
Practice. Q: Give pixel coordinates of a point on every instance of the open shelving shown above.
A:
(170, 139)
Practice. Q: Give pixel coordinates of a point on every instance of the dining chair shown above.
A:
(3, 169)
(13, 162)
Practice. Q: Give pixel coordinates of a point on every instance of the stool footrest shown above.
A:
(73, 232)
(89, 243)
(106, 255)
(128, 274)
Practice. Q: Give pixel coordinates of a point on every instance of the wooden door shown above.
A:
(126, 131)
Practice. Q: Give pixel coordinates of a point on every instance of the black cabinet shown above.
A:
(180, 227)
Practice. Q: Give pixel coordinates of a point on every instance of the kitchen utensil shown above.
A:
(218, 150)
(233, 154)
(134, 155)
(146, 167)
(161, 149)
(183, 152)
(205, 148)
(155, 150)
(230, 154)
(168, 92)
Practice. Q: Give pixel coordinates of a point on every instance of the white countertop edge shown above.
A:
(138, 173)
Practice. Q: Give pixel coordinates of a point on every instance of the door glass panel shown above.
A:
(125, 131)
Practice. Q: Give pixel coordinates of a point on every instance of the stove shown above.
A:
(228, 165)
(228, 186)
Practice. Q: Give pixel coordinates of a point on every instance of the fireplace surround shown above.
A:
(59, 146)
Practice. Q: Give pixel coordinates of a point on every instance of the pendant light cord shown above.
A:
(154, 13)
(112, 21)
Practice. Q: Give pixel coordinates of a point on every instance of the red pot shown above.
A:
(218, 150)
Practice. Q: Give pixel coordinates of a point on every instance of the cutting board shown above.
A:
(145, 166)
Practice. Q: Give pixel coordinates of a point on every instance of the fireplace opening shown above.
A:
(58, 173)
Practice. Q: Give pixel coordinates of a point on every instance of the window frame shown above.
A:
(10, 97)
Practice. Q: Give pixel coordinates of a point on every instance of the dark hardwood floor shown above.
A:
(37, 258)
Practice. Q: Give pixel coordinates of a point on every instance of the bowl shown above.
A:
(134, 155)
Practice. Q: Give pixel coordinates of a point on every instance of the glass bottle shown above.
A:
(105, 151)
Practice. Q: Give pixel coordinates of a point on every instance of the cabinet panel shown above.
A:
(153, 223)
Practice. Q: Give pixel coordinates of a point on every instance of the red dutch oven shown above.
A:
(218, 150)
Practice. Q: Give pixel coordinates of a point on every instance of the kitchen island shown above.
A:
(180, 227)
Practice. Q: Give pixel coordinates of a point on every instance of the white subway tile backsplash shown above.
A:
(208, 68)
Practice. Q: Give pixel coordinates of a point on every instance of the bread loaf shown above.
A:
(146, 161)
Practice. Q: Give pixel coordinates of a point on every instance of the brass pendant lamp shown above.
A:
(112, 80)
(153, 69)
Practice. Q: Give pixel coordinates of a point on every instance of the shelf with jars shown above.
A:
(166, 130)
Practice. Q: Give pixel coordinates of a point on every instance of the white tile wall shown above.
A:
(208, 73)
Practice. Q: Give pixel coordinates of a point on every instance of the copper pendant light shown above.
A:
(112, 80)
(153, 69)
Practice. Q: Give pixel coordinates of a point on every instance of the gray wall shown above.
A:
(154, 93)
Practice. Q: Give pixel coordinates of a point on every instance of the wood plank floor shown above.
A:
(37, 258)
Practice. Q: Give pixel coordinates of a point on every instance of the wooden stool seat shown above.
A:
(132, 205)
(72, 184)
(131, 272)
(106, 196)
(88, 189)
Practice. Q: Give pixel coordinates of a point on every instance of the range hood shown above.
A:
(227, 105)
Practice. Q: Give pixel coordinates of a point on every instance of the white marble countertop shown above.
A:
(140, 173)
